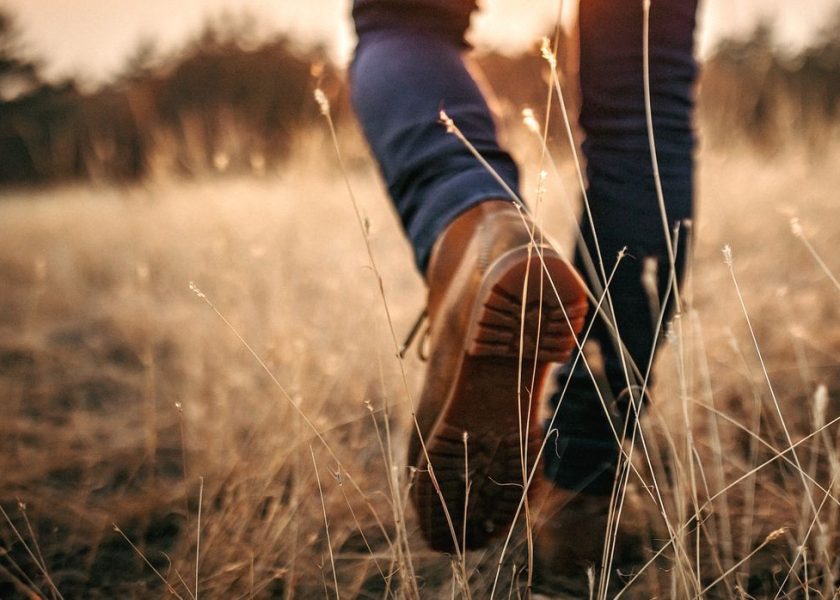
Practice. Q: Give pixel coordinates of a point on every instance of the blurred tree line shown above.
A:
(225, 101)
(751, 88)
(228, 101)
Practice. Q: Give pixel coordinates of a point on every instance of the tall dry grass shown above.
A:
(204, 399)
(122, 389)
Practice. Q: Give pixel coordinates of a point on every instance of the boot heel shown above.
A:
(550, 323)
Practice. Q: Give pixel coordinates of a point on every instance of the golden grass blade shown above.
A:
(326, 522)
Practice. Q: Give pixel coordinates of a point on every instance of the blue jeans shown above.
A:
(408, 66)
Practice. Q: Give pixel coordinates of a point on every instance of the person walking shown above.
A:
(504, 306)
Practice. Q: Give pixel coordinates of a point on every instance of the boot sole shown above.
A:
(475, 446)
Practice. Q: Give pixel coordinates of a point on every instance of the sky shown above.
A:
(95, 40)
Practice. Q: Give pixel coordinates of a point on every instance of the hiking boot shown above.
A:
(569, 542)
(477, 411)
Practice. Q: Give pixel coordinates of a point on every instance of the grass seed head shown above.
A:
(197, 291)
(547, 54)
(447, 122)
(530, 120)
(727, 255)
(796, 227)
(820, 405)
(323, 102)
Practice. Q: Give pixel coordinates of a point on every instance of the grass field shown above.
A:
(141, 432)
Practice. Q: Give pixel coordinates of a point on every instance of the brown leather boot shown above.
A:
(569, 541)
(480, 274)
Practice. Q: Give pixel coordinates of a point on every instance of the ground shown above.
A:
(205, 369)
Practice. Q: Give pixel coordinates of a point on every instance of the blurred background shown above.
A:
(122, 91)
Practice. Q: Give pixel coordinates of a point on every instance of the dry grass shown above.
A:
(122, 388)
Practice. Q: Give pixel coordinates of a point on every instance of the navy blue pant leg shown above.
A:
(407, 67)
(625, 210)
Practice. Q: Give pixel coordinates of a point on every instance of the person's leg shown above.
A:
(483, 274)
(625, 209)
(582, 453)
(407, 68)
